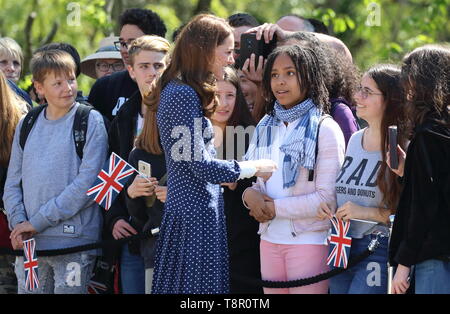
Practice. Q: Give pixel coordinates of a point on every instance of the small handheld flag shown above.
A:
(340, 243)
(30, 265)
(110, 181)
(96, 288)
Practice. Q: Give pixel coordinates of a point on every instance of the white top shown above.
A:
(139, 125)
(279, 230)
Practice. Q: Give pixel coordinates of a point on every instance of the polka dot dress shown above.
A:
(191, 254)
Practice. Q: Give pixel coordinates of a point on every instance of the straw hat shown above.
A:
(106, 51)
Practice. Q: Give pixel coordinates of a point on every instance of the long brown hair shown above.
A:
(241, 114)
(387, 78)
(191, 61)
(10, 114)
(426, 81)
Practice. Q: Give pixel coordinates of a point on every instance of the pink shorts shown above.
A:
(283, 262)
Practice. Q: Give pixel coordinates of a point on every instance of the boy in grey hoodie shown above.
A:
(45, 190)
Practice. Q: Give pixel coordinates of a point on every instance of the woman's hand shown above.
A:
(267, 31)
(400, 283)
(161, 193)
(401, 161)
(142, 187)
(324, 212)
(231, 186)
(265, 168)
(270, 207)
(253, 73)
(351, 211)
(256, 202)
(122, 229)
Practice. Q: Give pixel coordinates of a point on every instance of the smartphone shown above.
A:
(145, 168)
(249, 45)
(393, 147)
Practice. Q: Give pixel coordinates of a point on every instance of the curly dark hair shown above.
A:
(426, 82)
(342, 76)
(242, 19)
(311, 75)
(148, 21)
(319, 26)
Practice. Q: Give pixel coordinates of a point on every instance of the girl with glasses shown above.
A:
(366, 191)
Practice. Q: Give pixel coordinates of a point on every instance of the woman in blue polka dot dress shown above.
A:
(191, 254)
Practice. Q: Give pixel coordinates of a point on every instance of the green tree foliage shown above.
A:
(374, 30)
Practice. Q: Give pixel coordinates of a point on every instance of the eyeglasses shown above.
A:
(122, 44)
(365, 92)
(104, 67)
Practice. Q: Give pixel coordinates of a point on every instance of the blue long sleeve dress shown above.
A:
(191, 254)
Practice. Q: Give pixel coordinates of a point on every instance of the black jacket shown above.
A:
(421, 228)
(145, 218)
(109, 93)
(242, 235)
(121, 138)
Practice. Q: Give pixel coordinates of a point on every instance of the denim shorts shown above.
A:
(64, 274)
(368, 276)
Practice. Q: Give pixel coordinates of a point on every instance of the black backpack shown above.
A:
(80, 124)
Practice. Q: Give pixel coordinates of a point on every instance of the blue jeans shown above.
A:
(433, 277)
(368, 276)
(132, 272)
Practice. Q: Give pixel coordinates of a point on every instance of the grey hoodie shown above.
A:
(47, 182)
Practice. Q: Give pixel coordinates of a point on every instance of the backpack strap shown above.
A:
(80, 124)
(311, 172)
(28, 123)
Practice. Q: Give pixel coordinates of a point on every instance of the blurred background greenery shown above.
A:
(375, 31)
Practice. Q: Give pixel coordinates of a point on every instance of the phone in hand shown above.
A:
(145, 168)
(249, 45)
(393, 154)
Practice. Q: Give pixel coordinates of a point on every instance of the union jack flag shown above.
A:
(340, 243)
(110, 181)
(30, 265)
(95, 287)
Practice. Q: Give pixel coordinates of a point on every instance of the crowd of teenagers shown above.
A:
(228, 210)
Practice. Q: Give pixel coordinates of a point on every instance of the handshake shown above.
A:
(262, 168)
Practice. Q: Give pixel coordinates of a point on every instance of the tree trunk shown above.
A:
(202, 6)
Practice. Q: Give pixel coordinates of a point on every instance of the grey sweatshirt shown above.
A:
(357, 183)
(47, 182)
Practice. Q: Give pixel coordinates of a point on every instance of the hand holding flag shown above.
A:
(340, 243)
(110, 181)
